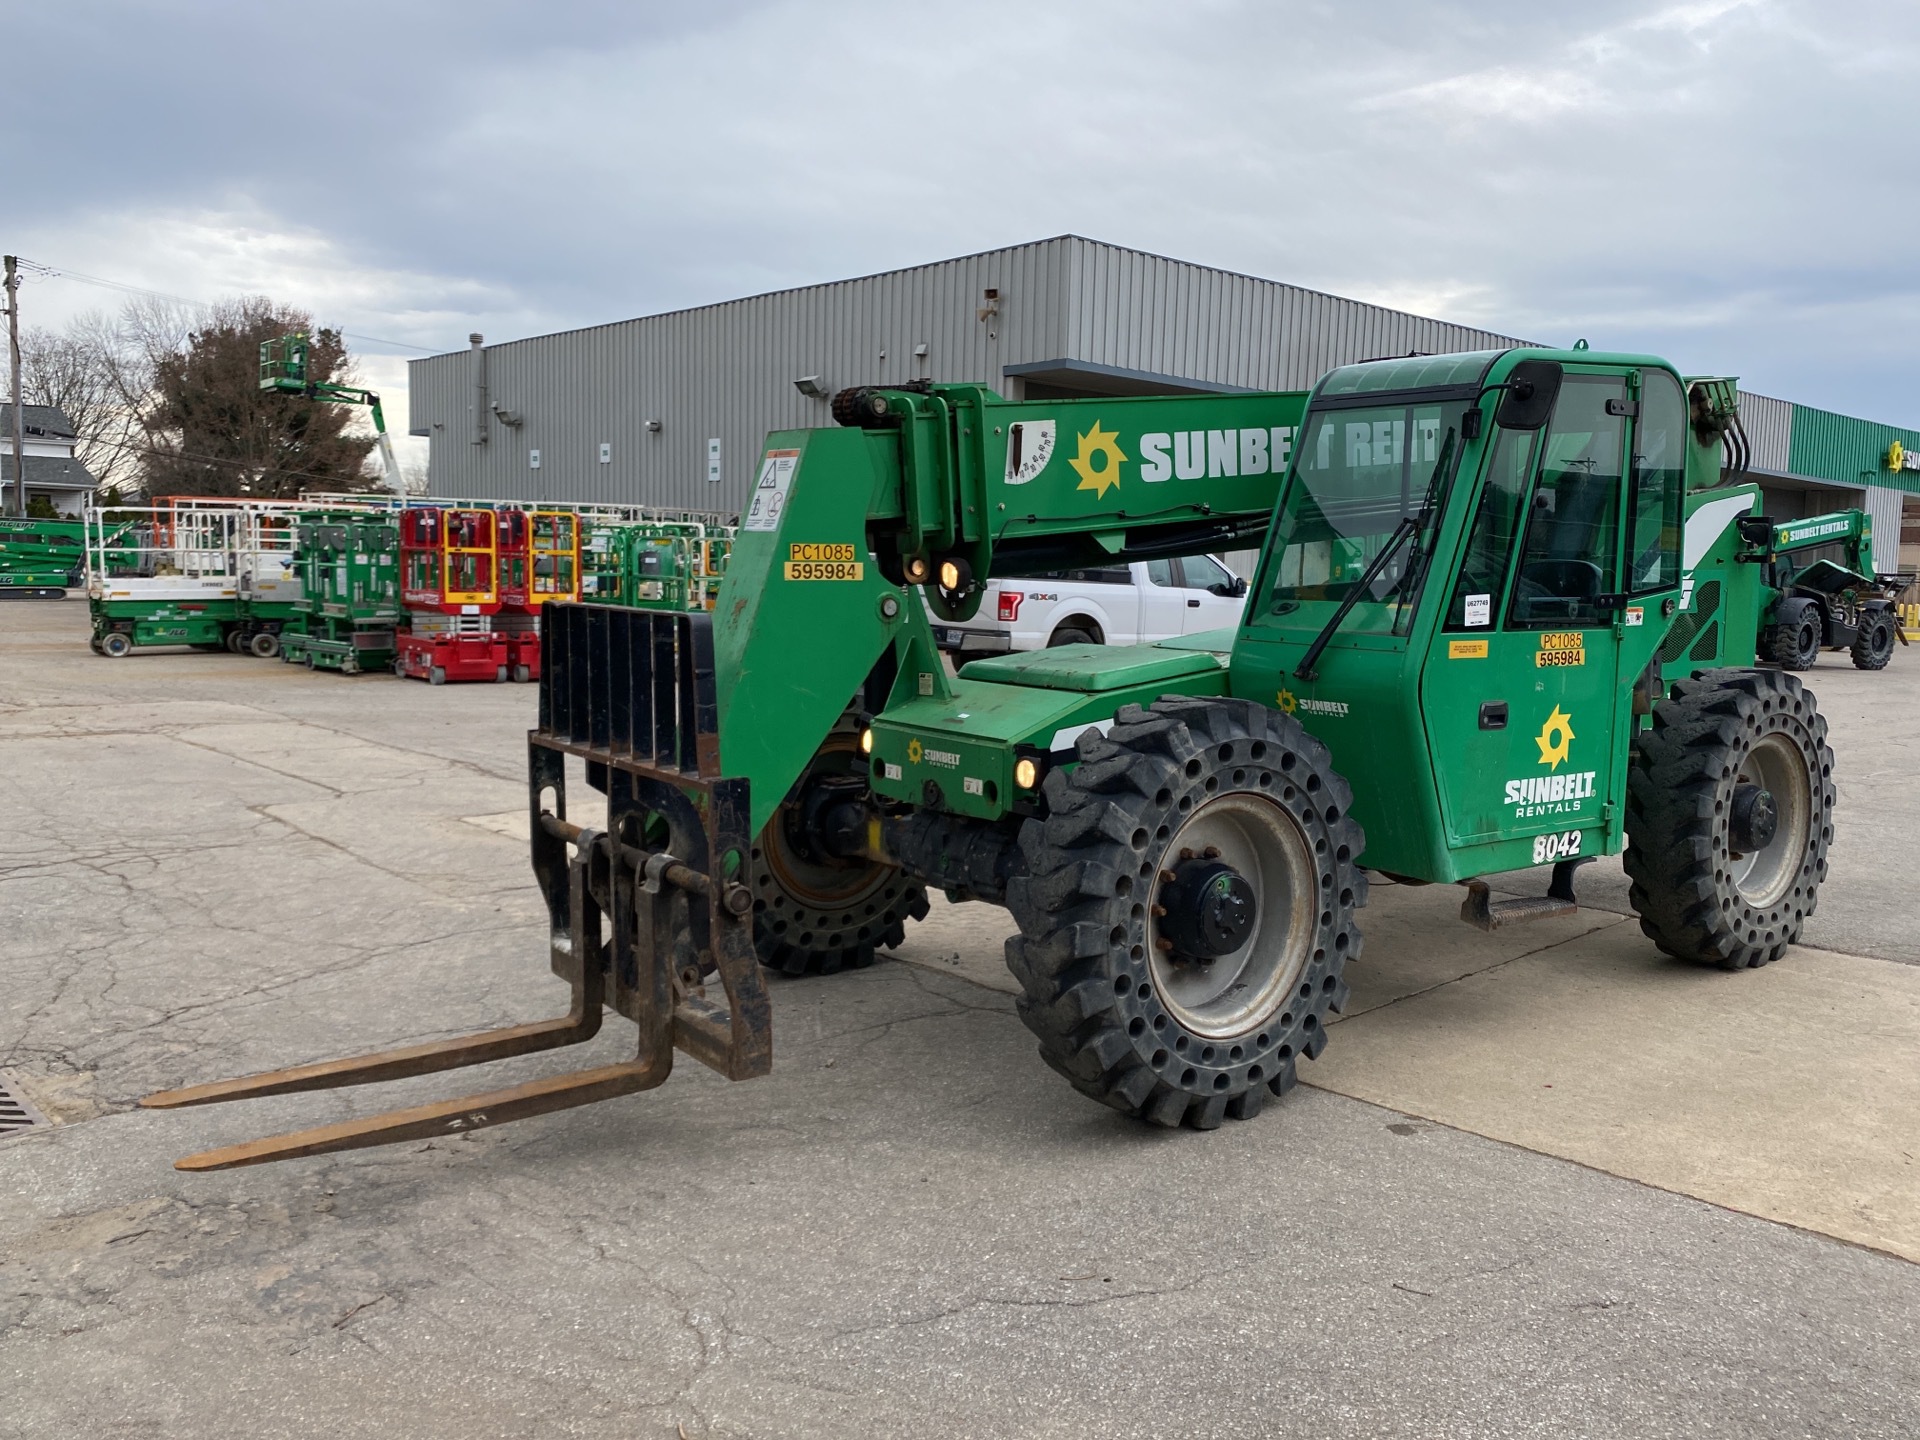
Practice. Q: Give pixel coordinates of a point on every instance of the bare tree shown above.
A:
(77, 371)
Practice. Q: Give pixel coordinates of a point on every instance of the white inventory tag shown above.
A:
(1479, 610)
(770, 494)
(893, 771)
(973, 785)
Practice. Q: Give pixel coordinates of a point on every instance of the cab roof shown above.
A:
(1469, 367)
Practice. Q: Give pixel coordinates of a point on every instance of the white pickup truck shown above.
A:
(1123, 604)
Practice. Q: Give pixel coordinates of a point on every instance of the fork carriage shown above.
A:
(630, 693)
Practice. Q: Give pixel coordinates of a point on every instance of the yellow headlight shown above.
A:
(949, 575)
(866, 741)
(1026, 774)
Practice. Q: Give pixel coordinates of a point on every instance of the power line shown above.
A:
(51, 273)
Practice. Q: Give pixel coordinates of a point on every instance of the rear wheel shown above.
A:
(819, 906)
(522, 674)
(1873, 646)
(1729, 816)
(1793, 642)
(1070, 635)
(437, 675)
(235, 641)
(265, 644)
(116, 644)
(1188, 910)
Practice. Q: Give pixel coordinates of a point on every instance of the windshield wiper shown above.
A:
(1409, 526)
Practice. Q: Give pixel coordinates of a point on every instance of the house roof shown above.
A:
(49, 472)
(46, 421)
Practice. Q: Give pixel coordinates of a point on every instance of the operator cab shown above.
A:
(1473, 581)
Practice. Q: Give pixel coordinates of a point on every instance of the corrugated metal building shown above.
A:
(671, 410)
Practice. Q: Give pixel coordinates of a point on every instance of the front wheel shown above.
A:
(1793, 642)
(1729, 816)
(264, 644)
(1188, 910)
(819, 905)
(116, 644)
(1873, 646)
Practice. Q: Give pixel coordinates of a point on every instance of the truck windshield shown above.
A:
(1360, 472)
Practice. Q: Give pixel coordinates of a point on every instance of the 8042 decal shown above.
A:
(1556, 847)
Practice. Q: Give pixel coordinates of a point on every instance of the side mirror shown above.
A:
(1239, 586)
(1527, 399)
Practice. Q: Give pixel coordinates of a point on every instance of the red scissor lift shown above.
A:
(539, 562)
(450, 579)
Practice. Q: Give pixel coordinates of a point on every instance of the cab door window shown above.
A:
(1658, 484)
(1568, 565)
(1496, 525)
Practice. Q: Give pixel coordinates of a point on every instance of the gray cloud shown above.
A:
(1726, 183)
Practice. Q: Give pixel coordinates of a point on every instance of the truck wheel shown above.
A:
(1793, 641)
(235, 641)
(115, 644)
(1188, 910)
(1068, 635)
(94, 645)
(815, 912)
(1873, 646)
(1729, 816)
(437, 675)
(265, 644)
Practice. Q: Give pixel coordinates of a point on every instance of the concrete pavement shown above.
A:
(210, 865)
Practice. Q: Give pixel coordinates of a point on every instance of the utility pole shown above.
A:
(19, 412)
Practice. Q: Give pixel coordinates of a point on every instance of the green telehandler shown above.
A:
(1821, 591)
(1499, 621)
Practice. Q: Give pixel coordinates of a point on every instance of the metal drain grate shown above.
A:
(15, 1113)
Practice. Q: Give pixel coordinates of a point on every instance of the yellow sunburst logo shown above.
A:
(1102, 446)
(1896, 455)
(1553, 751)
(914, 751)
(1286, 701)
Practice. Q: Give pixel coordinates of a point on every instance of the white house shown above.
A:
(52, 470)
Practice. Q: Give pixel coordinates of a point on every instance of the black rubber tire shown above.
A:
(1679, 816)
(1091, 997)
(794, 933)
(1873, 646)
(1070, 635)
(265, 644)
(235, 641)
(1793, 641)
(115, 644)
(821, 918)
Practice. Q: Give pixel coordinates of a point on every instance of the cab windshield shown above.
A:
(1358, 474)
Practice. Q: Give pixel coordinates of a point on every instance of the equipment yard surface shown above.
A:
(1542, 1182)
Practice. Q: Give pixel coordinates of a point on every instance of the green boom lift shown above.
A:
(1458, 658)
(283, 367)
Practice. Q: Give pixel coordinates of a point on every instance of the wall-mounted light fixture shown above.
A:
(811, 386)
(653, 427)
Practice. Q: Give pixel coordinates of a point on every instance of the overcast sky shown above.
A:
(1730, 183)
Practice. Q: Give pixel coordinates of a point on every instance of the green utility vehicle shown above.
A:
(1461, 655)
(1821, 590)
(346, 564)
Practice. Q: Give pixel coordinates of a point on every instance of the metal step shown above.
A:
(1483, 912)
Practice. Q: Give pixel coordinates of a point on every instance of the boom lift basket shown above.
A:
(631, 693)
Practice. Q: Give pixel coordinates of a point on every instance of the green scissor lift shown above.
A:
(348, 565)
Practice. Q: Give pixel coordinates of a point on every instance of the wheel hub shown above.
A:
(1211, 909)
(1756, 818)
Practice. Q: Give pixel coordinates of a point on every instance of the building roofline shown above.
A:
(975, 255)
